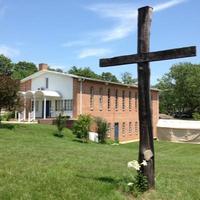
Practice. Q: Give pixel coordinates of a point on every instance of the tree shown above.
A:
(107, 76)
(128, 79)
(9, 88)
(23, 69)
(102, 129)
(85, 72)
(180, 89)
(6, 65)
(55, 70)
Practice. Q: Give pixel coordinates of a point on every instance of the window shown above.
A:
(109, 99)
(116, 99)
(37, 106)
(130, 128)
(123, 128)
(68, 103)
(91, 98)
(136, 127)
(58, 105)
(47, 83)
(123, 100)
(109, 129)
(136, 101)
(130, 100)
(100, 99)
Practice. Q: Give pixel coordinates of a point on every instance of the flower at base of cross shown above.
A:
(130, 184)
(134, 164)
(144, 163)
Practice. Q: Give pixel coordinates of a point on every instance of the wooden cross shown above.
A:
(142, 58)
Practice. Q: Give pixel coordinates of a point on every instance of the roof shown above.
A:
(37, 74)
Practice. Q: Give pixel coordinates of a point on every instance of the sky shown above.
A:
(66, 33)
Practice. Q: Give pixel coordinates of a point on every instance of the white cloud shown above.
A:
(93, 52)
(125, 17)
(9, 51)
(166, 5)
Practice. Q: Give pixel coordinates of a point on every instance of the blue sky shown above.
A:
(64, 33)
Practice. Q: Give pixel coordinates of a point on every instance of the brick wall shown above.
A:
(127, 117)
(25, 86)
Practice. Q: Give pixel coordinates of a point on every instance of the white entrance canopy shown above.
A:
(39, 94)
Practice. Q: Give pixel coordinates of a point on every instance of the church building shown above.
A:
(46, 93)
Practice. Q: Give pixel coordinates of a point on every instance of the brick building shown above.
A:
(47, 93)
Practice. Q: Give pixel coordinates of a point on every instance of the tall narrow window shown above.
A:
(91, 98)
(109, 99)
(130, 100)
(100, 99)
(116, 99)
(56, 105)
(47, 83)
(123, 128)
(123, 100)
(136, 127)
(136, 101)
(130, 128)
(109, 129)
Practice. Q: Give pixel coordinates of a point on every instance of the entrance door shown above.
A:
(116, 132)
(48, 108)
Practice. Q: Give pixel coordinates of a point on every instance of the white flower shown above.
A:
(144, 163)
(130, 184)
(134, 164)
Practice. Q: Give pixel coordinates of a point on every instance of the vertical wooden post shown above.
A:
(146, 148)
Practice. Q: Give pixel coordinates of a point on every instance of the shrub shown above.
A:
(82, 126)
(60, 123)
(102, 129)
(196, 116)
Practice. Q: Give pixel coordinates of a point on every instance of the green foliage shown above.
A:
(6, 116)
(55, 70)
(85, 72)
(107, 76)
(23, 69)
(6, 65)
(102, 129)
(180, 89)
(9, 88)
(82, 126)
(196, 116)
(61, 124)
(128, 79)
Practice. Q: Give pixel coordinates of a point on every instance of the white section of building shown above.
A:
(184, 131)
(56, 82)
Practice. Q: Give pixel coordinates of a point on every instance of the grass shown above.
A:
(34, 164)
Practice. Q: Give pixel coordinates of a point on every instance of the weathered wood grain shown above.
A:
(149, 57)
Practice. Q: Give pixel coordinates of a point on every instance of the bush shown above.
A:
(82, 126)
(102, 129)
(196, 116)
(6, 116)
(60, 123)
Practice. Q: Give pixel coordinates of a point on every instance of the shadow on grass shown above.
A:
(104, 179)
(7, 126)
(59, 135)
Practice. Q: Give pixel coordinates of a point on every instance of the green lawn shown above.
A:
(34, 164)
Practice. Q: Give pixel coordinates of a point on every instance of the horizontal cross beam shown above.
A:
(148, 57)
